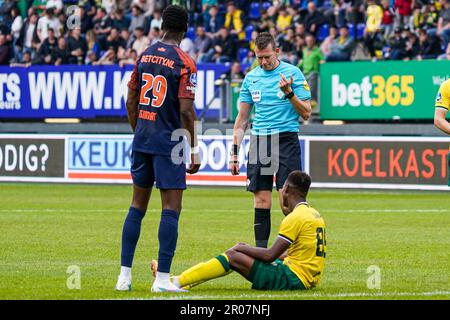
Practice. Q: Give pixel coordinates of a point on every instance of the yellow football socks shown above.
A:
(204, 271)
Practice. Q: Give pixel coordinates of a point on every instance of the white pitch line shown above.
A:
(226, 210)
(298, 297)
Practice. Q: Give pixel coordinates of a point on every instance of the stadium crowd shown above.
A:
(53, 32)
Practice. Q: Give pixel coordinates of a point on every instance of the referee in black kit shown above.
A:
(280, 94)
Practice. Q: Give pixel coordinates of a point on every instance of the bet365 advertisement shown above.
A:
(383, 90)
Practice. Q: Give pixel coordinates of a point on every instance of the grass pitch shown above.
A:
(46, 228)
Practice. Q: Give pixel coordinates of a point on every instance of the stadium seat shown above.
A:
(248, 32)
(254, 11)
(266, 5)
(324, 31)
(351, 30)
(191, 33)
(243, 52)
(360, 30)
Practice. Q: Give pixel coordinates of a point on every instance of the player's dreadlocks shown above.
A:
(175, 19)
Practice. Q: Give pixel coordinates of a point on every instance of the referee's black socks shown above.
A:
(262, 227)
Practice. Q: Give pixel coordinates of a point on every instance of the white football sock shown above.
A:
(175, 282)
(162, 277)
(125, 272)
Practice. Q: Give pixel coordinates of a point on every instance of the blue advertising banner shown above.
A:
(106, 158)
(84, 91)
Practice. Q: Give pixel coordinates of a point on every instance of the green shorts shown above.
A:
(274, 276)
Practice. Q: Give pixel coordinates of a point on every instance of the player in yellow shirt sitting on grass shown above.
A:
(301, 234)
(442, 107)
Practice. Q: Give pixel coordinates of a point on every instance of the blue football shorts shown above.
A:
(148, 168)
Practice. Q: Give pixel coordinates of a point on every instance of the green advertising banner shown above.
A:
(380, 90)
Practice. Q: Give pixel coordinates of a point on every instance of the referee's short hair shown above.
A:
(175, 18)
(263, 40)
(299, 180)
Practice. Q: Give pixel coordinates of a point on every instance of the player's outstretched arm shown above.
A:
(439, 120)
(188, 118)
(132, 107)
(264, 254)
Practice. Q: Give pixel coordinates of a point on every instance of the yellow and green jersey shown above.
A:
(443, 101)
(304, 229)
(443, 96)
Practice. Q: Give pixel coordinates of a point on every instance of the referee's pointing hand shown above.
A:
(285, 84)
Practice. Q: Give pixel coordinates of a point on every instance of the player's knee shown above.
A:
(231, 254)
(263, 202)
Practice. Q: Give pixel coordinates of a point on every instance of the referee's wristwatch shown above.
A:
(289, 95)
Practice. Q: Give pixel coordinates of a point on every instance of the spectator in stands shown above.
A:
(109, 5)
(266, 21)
(5, 51)
(313, 19)
(446, 55)
(92, 44)
(45, 53)
(16, 26)
(206, 4)
(6, 8)
(397, 46)
(113, 40)
(187, 45)
(286, 43)
(224, 48)
(48, 21)
(235, 72)
(157, 19)
(130, 58)
(312, 57)
(412, 47)
(202, 43)
(387, 22)
(403, 9)
(213, 21)
(86, 23)
(341, 47)
(55, 4)
(127, 37)
(108, 58)
(154, 36)
(77, 47)
(284, 20)
(431, 16)
(24, 62)
(141, 42)
(373, 25)
(119, 20)
(102, 24)
(29, 40)
(234, 21)
(443, 28)
(325, 47)
(137, 18)
(299, 45)
(430, 47)
(61, 54)
(148, 6)
(39, 5)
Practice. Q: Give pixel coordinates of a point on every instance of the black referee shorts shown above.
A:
(277, 154)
